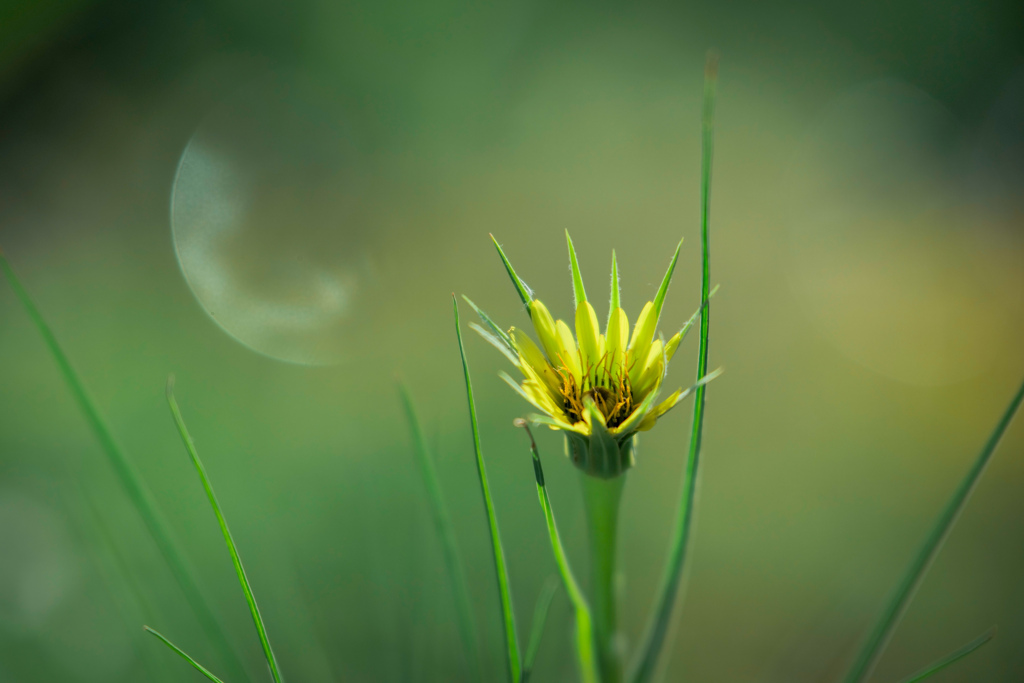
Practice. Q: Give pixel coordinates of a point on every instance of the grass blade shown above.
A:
(900, 599)
(540, 618)
(952, 657)
(584, 621)
(446, 534)
(504, 592)
(235, 559)
(525, 293)
(657, 629)
(578, 291)
(131, 481)
(202, 669)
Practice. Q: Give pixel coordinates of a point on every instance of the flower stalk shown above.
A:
(601, 498)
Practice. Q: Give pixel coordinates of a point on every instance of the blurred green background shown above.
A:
(274, 201)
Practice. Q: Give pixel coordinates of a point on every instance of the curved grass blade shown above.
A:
(235, 559)
(657, 629)
(202, 669)
(952, 657)
(879, 637)
(446, 534)
(131, 481)
(504, 591)
(578, 291)
(540, 618)
(587, 657)
(525, 293)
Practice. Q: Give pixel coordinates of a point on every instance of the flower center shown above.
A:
(607, 386)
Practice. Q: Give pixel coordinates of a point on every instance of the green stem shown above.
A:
(601, 501)
(132, 483)
(657, 629)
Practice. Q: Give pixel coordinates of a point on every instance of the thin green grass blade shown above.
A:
(504, 591)
(952, 657)
(879, 637)
(585, 652)
(524, 292)
(578, 291)
(190, 446)
(446, 534)
(540, 618)
(202, 669)
(129, 600)
(131, 481)
(614, 303)
(657, 629)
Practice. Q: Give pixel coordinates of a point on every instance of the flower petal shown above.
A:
(532, 397)
(567, 354)
(587, 335)
(531, 355)
(615, 342)
(643, 332)
(544, 324)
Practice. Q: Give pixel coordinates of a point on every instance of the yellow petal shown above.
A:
(639, 374)
(643, 332)
(618, 330)
(529, 391)
(567, 353)
(544, 324)
(672, 345)
(532, 356)
(650, 379)
(587, 334)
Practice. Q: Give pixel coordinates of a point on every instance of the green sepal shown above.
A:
(496, 343)
(614, 303)
(659, 299)
(696, 314)
(524, 292)
(501, 334)
(578, 291)
(600, 455)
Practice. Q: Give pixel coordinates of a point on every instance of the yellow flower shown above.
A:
(599, 388)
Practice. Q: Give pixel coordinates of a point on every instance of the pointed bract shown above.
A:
(524, 292)
(614, 303)
(578, 291)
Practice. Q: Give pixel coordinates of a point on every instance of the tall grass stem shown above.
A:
(446, 534)
(199, 667)
(880, 635)
(952, 657)
(131, 481)
(190, 446)
(585, 651)
(658, 627)
(513, 657)
(540, 620)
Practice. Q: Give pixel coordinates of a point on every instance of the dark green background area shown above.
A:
(864, 365)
